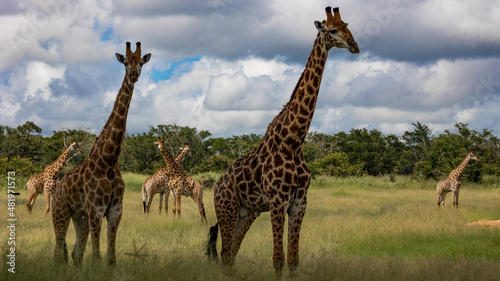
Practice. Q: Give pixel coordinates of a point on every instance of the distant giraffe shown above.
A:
(180, 184)
(452, 182)
(47, 180)
(94, 189)
(274, 176)
(158, 183)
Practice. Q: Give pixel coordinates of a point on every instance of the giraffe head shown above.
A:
(74, 146)
(472, 156)
(186, 150)
(160, 142)
(133, 62)
(334, 32)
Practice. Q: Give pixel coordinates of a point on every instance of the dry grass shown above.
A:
(357, 229)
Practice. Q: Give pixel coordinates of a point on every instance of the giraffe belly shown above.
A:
(255, 201)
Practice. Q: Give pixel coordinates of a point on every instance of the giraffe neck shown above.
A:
(292, 123)
(178, 159)
(172, 166)
(109, 143)
(56, 166)
(461, 168)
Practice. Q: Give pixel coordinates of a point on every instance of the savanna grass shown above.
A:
(354, 229)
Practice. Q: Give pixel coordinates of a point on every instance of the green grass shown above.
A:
(355, 229)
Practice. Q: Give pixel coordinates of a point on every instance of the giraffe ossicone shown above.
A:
(274, 176)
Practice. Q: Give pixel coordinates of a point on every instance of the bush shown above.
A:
(23, 167)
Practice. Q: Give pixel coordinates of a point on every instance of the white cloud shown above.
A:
(38, 77)
(56, 68)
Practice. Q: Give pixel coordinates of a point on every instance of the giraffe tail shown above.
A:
(144, 198)
(212, 243)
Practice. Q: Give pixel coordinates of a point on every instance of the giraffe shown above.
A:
(274, 176)
(47, 180)
(452, 182)
(94, 189)
(158, 182)
(180, 184)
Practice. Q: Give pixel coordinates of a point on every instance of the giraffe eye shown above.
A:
(333, 31)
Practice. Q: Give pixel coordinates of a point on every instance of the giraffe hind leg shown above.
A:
(82, 233)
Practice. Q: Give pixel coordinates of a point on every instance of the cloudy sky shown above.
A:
(229, 66)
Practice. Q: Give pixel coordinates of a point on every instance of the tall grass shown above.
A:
(354, 229)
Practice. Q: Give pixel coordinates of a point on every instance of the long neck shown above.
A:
(57, 165)
(178, 159)
(461, 168)
(172, 165)
(109, 143)
(292, 124)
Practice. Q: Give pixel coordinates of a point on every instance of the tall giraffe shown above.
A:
(158, 183)
(274, 176)
(47, 180)
(180, 184)
(452, 182)
(94, 189)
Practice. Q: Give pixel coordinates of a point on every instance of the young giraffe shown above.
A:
(274, 176)
(94, 189)
(452, 182)
(158, 183)
(47, 180)
(181, 184)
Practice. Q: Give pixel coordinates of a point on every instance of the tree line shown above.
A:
(358, 152)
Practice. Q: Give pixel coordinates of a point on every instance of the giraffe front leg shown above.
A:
(161, 201)
(167, 193)
(295, 216)
(178, 201)
(95, 224)
(173, 202)
(60, 221)
(31, 200)
(47, 203)
(455, 197)
(278, 221)
(114, 217)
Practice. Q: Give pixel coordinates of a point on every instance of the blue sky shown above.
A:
(230, 66)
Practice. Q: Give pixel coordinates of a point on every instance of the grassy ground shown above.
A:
(354, 229)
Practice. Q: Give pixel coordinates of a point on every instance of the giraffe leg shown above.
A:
(277, 221)
(60, 219)
(173, 201)
(47, 203)
(227, 211)
(439, 198)
(114, 217)
(31, 200)
(245, 220)
(167, 193)
(150, 200)
(455, 197)
(295, 216)
(82, 233)
(443, 196)
(161, 201)
(95, 224)
(198, 200)
(178, 201)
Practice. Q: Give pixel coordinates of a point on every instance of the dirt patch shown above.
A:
(485, 223)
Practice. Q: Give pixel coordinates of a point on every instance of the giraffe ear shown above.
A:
(120, 58)
(146, 58)
(319, 26)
